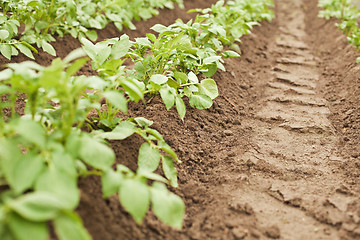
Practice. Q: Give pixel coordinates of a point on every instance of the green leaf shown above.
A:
(210, 70)
(208, 87)
(110, 182)
(358, 60)
(200, 101)
(76, 66)
(158, 79)
(155, 133)
(22, 229)
(168, 207)
(159, 28)
(75, 54)
(6, 74)
(192, 77)
(166, 148)
(60, 184)
(149, 158)
(151, 37)
(92, 35)
(211, 59)
(103, 54)
(121, 47)
(25, 50)
(167, 97)
(68, 226)
(89, 48)
(48, 48)
(135, 197)
(31, 131)
(140, 69)
(143, 122)
(4, 34)
(152, 176)
(180, 107)
(230, 54)
(27, 170)
(96, 154)
(72, 144)
(169, 170)
(65, 163)
(37, 206)
(26, 44)
(133, 89)
(117, 99)
(143, 42)
(121, 131)
(6, 51)
(181, 77)
(10, 157)
(94, 24)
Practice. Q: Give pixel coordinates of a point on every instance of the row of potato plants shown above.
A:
(348, 14)
(80, 18)
(45, 150)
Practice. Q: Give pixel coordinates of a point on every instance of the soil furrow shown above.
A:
(300, 144)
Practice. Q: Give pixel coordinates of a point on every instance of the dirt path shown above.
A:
(298, 192)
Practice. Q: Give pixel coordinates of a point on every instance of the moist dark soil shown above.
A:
(276, 157)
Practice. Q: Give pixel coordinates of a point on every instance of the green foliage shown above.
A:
(79, 18)
(348, 16)
(171, 63)
(44, 152)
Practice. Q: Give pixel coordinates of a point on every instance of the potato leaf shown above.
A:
(180, 107)
(134, 195)
(96, 154)
(168, 207)
(68, 226)
(22, 228)
(121, 131)
(208, 87)
(116, 99)
(149, 158)
(200, 101)
(169, 170)
(37, 206)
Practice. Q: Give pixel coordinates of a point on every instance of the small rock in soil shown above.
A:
(237, 122)
(240, 233)
(228, 133)
(273, 232)
(252, 161)
(255, 233)
(242, 208)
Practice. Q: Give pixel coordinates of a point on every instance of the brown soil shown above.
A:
(276, 157)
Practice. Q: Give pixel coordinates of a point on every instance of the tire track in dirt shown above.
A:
(295, 188)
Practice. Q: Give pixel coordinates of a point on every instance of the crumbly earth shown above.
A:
(278, 154)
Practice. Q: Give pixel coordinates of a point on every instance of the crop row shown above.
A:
(45, 150)
(348, 15)
(80, 18)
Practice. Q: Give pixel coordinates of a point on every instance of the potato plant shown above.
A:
(44, 152)
(348, 15)
(80, 18)
(170, 63)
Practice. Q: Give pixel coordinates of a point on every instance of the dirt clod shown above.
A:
(273, 232)
(240, 233)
